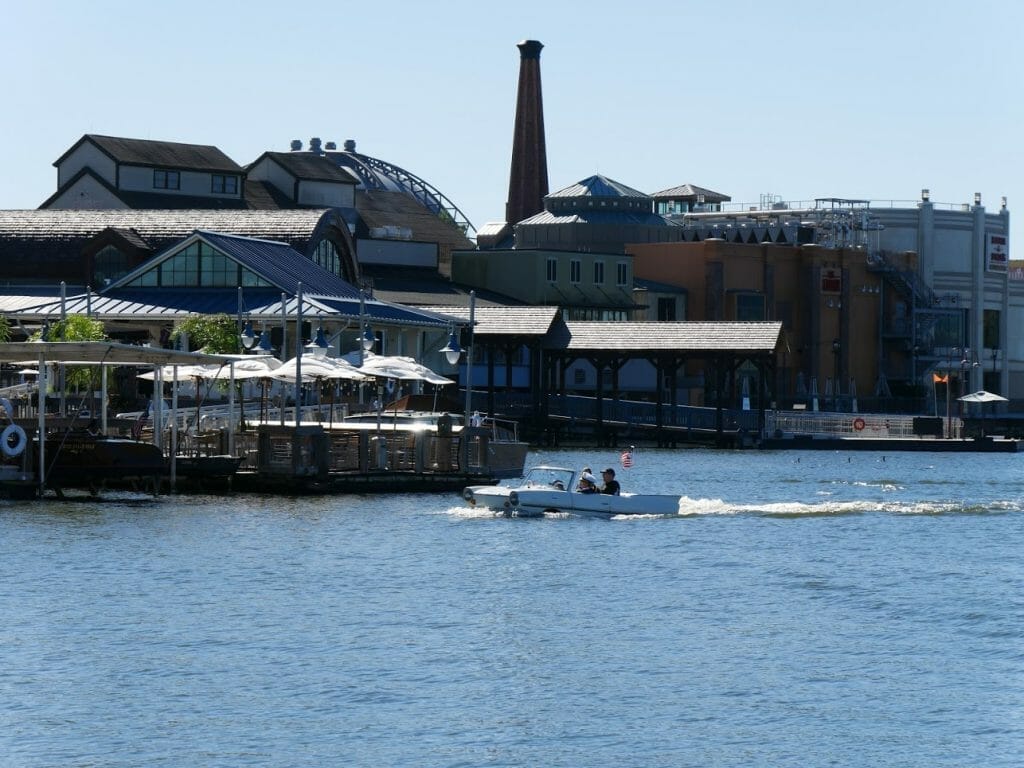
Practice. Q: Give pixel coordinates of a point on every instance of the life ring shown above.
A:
(13, 441)
(858, 424)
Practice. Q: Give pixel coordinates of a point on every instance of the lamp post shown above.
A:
(836, 348)
(452, 352)
(949, 365)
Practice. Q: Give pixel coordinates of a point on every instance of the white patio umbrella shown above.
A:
(981, 396)
(402, 368)
(316, 369)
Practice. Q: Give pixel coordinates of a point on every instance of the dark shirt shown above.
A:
(611, 487)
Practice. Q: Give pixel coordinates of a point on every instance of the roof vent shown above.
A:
(330, 146)
(350, 145)
(296, 145)
(314, 145)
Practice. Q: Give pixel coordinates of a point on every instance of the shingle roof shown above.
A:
(47, 245)
(310, 167)
(505, 321)
(754, 338)
(379, 208)
(166, 154)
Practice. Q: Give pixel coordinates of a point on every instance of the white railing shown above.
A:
(849, 425)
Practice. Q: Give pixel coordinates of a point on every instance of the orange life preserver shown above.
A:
(858, 424)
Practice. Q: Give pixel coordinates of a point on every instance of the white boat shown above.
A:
(551, 490)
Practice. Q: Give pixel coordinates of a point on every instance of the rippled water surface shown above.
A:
(805, 609)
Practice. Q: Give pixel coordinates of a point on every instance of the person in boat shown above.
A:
(585, 472)
(588, 483)
(610, 485)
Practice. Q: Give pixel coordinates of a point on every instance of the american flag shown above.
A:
(627, 458)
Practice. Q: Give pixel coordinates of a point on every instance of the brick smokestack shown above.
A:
(528, 180)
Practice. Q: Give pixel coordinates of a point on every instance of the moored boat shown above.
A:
(551, 490)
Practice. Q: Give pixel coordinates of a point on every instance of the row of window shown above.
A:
(221, 184)
(199, 266)
(576, 272)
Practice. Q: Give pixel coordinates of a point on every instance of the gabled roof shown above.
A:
(598, 186)
(309, 167)
(505, 321)
(165, 154)
(691, 191)
(276, 262)
(682, 337)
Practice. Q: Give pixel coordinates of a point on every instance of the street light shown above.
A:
(452, 350)
(367, 339)
(248, 337)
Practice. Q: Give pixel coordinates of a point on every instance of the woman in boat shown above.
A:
(587, 484)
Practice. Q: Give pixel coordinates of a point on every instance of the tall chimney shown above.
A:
(528, 180)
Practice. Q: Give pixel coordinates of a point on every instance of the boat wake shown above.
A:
(691, 508)
(838, 508)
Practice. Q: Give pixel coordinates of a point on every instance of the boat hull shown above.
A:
(84, 459)
(547, 490)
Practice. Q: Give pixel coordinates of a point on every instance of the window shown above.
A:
(749, 307)
(990, 329)
(622, 273)
(666, 309)
(326, 255)
(110, 265)
(598, 273)
(199, 266)
(575, 268)
(166, 180)
(579, 376)
(224, 185)
(552, 270)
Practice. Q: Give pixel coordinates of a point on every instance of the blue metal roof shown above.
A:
(278, 263)
(259, 303)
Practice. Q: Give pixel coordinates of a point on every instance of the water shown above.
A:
(807, 609)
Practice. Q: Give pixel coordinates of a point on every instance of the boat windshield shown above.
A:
(552, 477)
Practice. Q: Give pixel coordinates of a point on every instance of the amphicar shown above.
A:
(552, 490)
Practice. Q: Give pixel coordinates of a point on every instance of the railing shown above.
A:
(829, 424)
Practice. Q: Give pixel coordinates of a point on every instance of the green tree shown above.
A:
(5, 329)
(77, 328)
(213, 334)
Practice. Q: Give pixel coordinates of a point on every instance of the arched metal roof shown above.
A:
(377, 174)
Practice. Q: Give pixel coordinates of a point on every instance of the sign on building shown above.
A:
(997, 253)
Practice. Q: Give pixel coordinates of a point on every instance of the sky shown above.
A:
(873, 100)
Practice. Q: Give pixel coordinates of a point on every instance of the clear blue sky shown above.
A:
(800, 99)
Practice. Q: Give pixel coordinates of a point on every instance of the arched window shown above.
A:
(326, 255)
